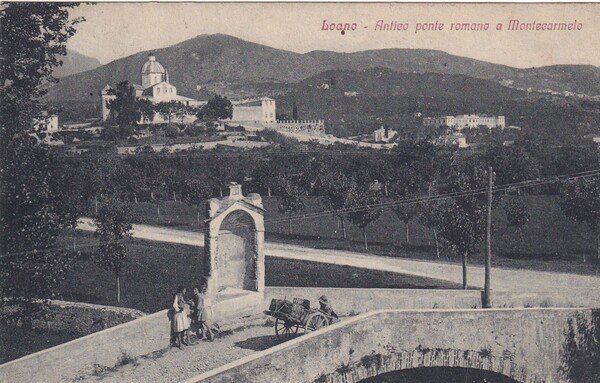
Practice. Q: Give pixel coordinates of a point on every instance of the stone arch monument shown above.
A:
(234, 260)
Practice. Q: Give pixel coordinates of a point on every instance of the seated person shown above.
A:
(325, 308)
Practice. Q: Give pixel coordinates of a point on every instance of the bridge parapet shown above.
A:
(524, 344)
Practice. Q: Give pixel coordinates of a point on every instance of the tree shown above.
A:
(581, 349)
(36, 203)
(217, 108)
(337, 190)
(405, 213)
(429, 218)
(113, 227)
(462, 219)
(290, 199)
(364, 202)
(512, 164)
(170, 109)
(146, 109)
(580, 200)
(171, 131)
(34, 37)
(413, 171)
(124, 106)
(517, 215)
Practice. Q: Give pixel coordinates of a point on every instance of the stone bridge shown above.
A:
(522, 344)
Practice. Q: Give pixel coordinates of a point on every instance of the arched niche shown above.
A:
(233, 244)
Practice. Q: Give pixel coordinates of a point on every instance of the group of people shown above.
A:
(195, 315)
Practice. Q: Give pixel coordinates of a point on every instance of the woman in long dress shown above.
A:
(181, 322)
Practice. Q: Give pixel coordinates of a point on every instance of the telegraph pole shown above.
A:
(488, 243)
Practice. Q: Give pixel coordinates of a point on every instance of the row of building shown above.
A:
(465, 121)
(255, 113)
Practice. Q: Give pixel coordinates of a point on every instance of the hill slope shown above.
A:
(583, 79)
(75, 62)
(385, 96)
(212, 61)
(226, 64)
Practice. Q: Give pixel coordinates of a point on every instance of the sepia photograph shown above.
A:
(323, 192)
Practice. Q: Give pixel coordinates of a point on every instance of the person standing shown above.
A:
(202, 313)
(181, 322)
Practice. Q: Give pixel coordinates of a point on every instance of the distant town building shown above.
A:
(306, 127)
(384, 134)
(455, 139)
(465, 121)
(45, 122)
(595, 137)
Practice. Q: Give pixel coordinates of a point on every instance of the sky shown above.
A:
(115, 30)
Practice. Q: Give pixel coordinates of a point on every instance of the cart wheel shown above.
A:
(285, 329)
(314, 322)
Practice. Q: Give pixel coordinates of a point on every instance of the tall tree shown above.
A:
(462, 219)
(364, 201)
(338, 188)
(170, 109)
(35, 205)
(290, 199)
(113, 227)
(580, 200)
(217, 108)
(124, 107)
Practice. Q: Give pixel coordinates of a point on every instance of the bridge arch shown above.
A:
(377, 364)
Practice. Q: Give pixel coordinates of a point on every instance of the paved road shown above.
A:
(502, 279)
(174, 365)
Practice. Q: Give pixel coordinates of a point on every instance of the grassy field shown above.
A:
(154, 270)
(549, 242)
(18, 341)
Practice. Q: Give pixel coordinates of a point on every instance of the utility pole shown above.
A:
(488, 243)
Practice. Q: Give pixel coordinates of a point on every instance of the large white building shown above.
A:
(465, 121)
(259, 112)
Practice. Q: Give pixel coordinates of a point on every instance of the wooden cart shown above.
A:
(296, 317)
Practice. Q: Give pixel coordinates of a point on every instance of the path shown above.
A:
(502, 279)
(174, 365)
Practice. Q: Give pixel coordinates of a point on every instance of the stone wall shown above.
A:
(524, 344)
(78, 357)
(354, 301)
(309, 127)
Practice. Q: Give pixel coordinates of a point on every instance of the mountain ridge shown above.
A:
(220, 62)
(75, 62)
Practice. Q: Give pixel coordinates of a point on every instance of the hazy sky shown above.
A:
(115, 30)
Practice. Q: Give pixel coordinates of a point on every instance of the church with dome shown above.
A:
(253, 114)
(155, 87)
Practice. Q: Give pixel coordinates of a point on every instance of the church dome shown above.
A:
(152, 66)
